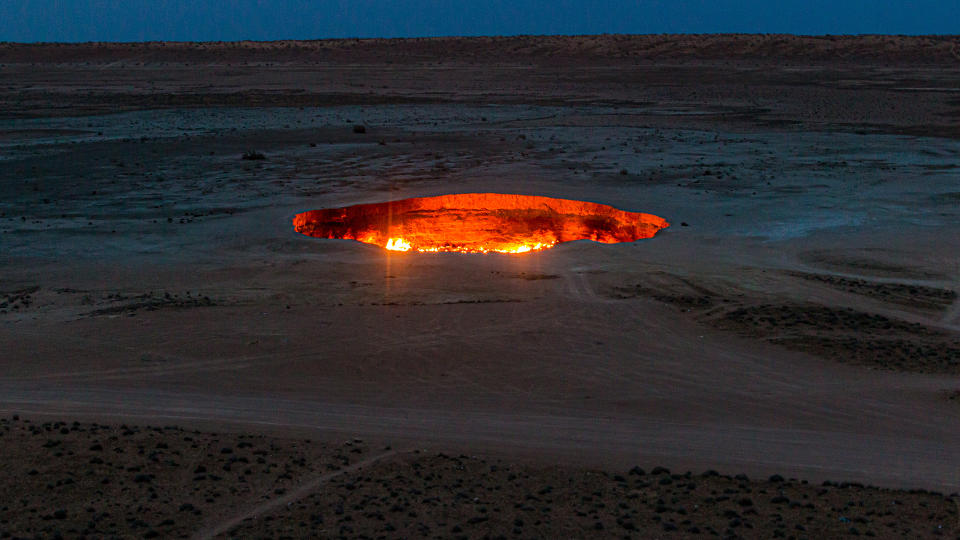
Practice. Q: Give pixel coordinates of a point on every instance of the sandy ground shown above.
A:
(800, 317)
(77, 479)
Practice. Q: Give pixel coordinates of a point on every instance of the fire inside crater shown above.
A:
(478, 223)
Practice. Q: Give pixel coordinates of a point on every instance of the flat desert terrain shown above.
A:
(796, 328)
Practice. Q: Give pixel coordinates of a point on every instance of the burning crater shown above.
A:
(478, 223)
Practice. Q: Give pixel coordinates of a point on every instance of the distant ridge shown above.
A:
(859, 48)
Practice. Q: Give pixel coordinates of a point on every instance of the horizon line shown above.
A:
(479, 36)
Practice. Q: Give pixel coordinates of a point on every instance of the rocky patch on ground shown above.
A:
(71, 479)
(441, 496)
(129, 304)
(839, 333)
(848, 335)
(17, 300)
(908, 295)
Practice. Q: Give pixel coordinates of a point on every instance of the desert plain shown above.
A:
(795, 331)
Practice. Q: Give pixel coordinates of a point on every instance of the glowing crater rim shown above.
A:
(478, 223)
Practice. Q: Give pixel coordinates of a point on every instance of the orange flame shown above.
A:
(397, 244)
(478, 223)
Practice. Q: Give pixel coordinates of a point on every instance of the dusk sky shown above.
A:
(220, 20)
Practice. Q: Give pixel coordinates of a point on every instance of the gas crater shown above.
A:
(478, 223)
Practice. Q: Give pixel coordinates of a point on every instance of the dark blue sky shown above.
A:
(215, 20)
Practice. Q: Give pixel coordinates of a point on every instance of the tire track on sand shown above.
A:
(302, 491)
